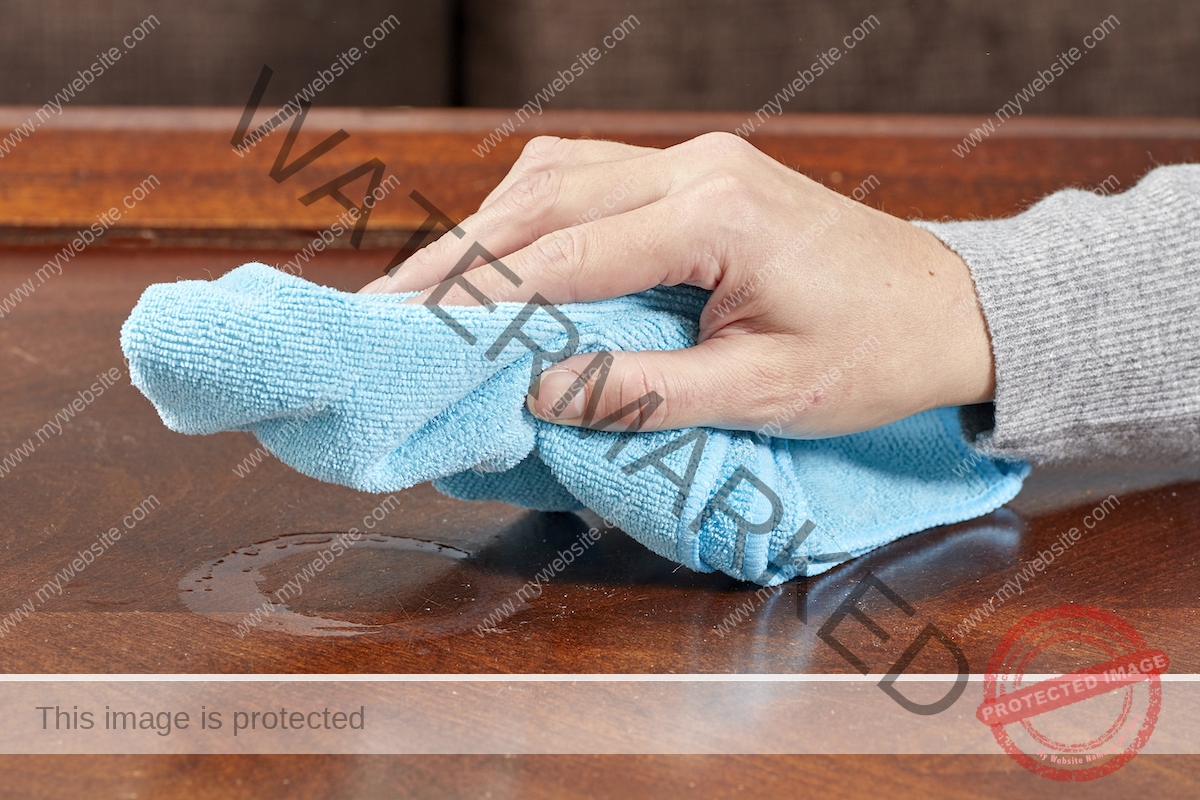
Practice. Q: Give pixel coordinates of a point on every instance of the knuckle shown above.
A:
(429, 254)
(560, 254)
(541, 151)
(619, 404)
(639, 382)
(534, 193)
(742, 205)
(723, 142)
(645, 379)
(727, 189)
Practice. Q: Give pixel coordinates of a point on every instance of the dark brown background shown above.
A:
(932, 56)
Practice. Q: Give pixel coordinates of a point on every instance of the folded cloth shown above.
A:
(361, 390)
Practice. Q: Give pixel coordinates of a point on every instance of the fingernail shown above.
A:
(549, 399)
(374, 287)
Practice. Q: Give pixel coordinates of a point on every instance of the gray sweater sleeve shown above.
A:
(1093, 306)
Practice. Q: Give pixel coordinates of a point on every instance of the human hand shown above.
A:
(826, 317)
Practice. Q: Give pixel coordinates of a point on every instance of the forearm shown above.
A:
(1093, 307)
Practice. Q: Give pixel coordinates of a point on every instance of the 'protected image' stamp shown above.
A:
(1084, 724)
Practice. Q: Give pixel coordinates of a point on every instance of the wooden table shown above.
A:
(620, 609)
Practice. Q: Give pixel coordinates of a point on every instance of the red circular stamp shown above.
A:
(1084, 724)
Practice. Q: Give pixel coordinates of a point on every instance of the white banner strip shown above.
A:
(474, 714)
(568, 677)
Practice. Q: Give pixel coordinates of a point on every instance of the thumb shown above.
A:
(649, 391)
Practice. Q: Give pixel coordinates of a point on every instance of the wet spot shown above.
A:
(378, 585)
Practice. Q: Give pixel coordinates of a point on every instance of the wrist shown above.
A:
(962, 352)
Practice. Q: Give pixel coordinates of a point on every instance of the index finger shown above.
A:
(611, 257)
(541, 154)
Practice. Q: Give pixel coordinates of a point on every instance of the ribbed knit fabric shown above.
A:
(1093, 306)
(363, 390)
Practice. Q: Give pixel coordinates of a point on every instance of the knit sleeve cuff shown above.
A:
(1093, 307)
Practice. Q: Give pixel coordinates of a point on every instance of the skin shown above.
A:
(792, 352)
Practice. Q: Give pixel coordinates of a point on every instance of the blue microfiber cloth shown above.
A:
(360, 390)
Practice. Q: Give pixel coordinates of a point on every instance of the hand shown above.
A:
(827, 317)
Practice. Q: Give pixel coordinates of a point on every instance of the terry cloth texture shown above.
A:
(1093, 304)
(360, 390)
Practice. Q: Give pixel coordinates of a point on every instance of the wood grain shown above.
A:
(619, 609)
(570, 777)
(90, 159)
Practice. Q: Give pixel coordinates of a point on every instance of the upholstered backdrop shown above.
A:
(929, 56)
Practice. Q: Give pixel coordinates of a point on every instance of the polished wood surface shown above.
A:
(567, 778)
(619, 608)
(90, 159)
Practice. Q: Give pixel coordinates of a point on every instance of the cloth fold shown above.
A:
(361, 390)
